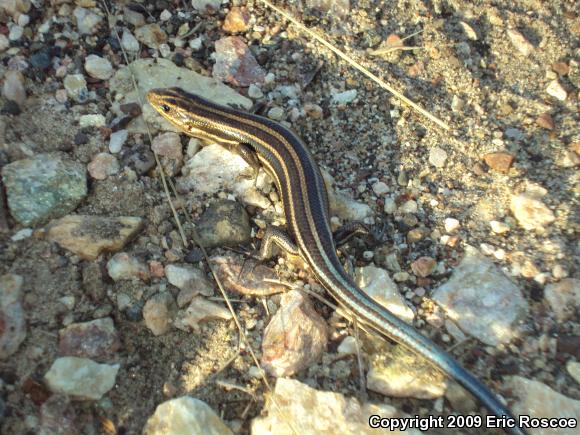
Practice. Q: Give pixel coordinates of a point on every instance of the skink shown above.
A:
(284, 156)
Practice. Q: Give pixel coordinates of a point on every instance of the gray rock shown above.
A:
(43, 187)
(224, 223)
(12, 323)
(482, 300)
(564, 298)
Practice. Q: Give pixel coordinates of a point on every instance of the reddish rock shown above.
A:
(423, 266)
(237, 20)
(545, 121)
(96, 339)
(561, 68)
(500, 161)
(235, 63)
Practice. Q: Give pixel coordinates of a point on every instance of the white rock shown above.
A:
(377, 283)
(538, 400)
(437, 157)
(98, 67)
(200, 310)
(158, 312)
(117, 139)
(122, 266)
(81, 378)
(129, 42)
(185, 415)
(215, 169)
(499, 227)
(22, 234)
(530, 212)
(451, 225)
(187, 277)
(93, 120)
(344, 97)
(4, 43)
(482, 300)
(347, 346)
(380, 188)
(573, 368)
(255, 92)
(390, 205)
(317, 412)
(276, 113)
(556, 90)
(165, 15)
(520, 42)
(15, 33)
(86, 20)
(409, 206)
(13, 88)
(201, 5)
(564, 298)
(76, 87)
(197, 43)
(346, 208)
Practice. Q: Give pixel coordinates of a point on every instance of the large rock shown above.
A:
(44, 187)
(482, 300)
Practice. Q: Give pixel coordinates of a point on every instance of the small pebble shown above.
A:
(93, 120)
(380, 188)
(116, 140)
(98, 67)
(255, 92)
(520, 42)
(500, 161)
(437, 157)
(451, 225)
(545, 121)
(276, 113)
(556, 90)
(559, 272)
(499, 227)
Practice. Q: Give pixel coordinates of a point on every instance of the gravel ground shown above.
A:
(504, 77)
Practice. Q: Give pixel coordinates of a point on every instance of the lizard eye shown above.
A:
(165, 108)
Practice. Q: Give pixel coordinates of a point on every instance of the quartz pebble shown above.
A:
(81, 378)
(564, 298)
(451, 225)
(499, 227)
(530, 212)
(168, 145)
(289, 348)
(98, 67)
(123, 266)
(158, 312)
(377, 284)
(200, 310)
(520, 42)
(92, 120)
(188, 278)
(437, 157)
(151, 35)
(380, 188)
(13, 87)
(117, 139)
(318, 412)
(102, 166)
(491, 318)
(344, 97)
(129, 42)
(185, 415)
(556, 90)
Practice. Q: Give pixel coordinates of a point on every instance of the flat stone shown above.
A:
(318, 412)
(423, 266)
(437, 157)
(545, 121)
(288, 347)
(482, 300)
(123, 266)
(556, 90)
(102, 166)
(185, 415)
(187, 277)
(520, 42)
(44, 187)
(89, 236)
(81, 378)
